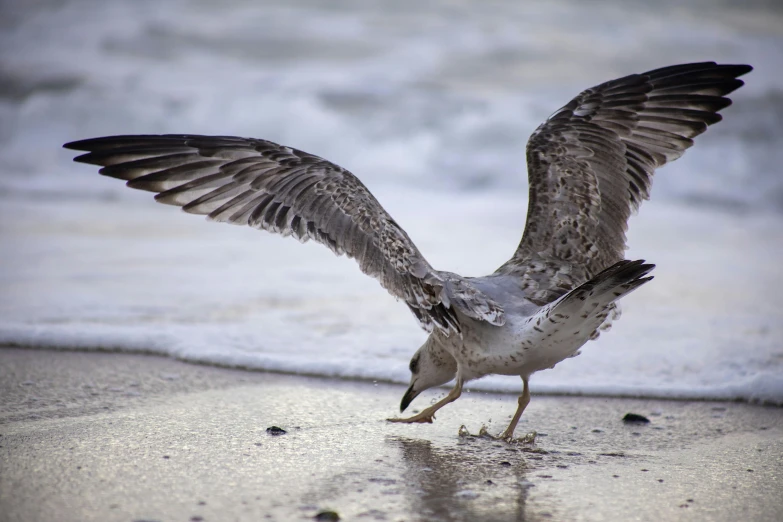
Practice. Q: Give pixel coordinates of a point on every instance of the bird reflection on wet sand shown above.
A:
(474, 479)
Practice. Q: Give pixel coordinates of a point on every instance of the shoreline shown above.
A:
(113, 436)
(681, 397)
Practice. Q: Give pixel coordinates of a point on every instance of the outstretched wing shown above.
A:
(276, 188)
(591, 163)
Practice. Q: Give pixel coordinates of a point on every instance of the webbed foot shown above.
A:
(424, 416)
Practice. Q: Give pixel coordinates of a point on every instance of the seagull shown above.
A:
(590, 165)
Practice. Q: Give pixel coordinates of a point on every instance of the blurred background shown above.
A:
(431, 105)
(439, 95)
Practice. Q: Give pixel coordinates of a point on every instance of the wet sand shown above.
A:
(114, 437)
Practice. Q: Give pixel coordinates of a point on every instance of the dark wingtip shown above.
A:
(78, 145)
(87, 146)
(88, 158)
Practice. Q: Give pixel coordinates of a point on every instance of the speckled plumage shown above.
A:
(590, 165)
(246, 181)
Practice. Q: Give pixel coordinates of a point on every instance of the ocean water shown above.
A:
(431, 107)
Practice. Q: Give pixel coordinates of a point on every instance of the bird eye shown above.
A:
(414, 366)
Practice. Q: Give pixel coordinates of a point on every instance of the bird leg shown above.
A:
(524, 400)
(428, 414)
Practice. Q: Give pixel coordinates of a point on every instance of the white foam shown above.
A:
(145, 278)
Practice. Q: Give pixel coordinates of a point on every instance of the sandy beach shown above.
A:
(116, 437)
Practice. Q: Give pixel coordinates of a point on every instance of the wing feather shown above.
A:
(286, 191)
(590, 165)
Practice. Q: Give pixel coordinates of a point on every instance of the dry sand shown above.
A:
(114, 437)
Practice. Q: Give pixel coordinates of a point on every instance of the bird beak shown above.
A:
(408, 398)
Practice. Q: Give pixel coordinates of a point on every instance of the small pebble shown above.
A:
(327, 516)
(274, 430)
(635, 418)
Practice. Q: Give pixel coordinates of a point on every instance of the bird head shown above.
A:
(430, 366)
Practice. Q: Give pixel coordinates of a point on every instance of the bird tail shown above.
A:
(566, 324)
(594, 299)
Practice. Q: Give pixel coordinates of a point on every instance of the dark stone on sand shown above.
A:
(635, 418)
(274, 430)
(327, 516)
